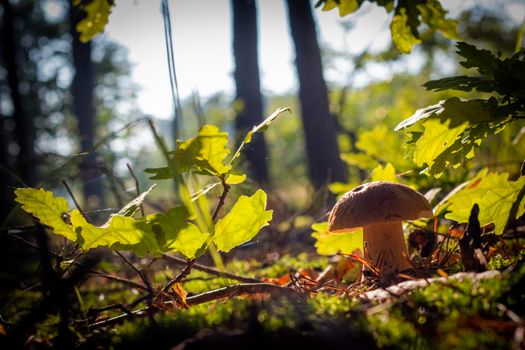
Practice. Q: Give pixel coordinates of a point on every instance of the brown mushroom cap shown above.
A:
(377, 202)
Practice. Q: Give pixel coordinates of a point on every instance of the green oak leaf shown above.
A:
(47, 208)
(345, 7)
(235, 179)
(448, 132)
(121, 230)
(402, 34)
(245, 219)
(175, 233)
(483, 60)
(97, 16)
(328, 243)
(461, 83)
(436, 139)
(204, 154)
(433, 14)
(386, 173)
(494, 194)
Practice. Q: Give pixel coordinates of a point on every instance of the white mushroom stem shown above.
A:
(385, 247)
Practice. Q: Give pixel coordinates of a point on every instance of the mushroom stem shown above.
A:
(385, 245)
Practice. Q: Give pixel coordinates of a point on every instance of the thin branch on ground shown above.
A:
(217, 294)
(119, 279)
(211, 270)
(94, 311)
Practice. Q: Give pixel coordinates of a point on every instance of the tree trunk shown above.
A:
(84, 110)
(324, 164)
(23, 130)
(248, 85)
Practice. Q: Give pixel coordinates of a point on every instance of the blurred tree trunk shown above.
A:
(250, 109)
(23, 129)
(324, 164)
(83, 107)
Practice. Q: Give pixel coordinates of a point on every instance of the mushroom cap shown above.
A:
(377, 202)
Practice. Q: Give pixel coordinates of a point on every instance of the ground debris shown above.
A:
(402, 288)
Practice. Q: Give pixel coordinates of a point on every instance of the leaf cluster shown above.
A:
(444, 134)
(97, 16)
(186, 228)
(408, 16)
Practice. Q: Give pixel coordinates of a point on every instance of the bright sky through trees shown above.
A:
(203, 45)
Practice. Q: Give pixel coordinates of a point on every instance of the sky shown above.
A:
(202, 39)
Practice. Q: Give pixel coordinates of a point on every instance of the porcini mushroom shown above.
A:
(379, 208)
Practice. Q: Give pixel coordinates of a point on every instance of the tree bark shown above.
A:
(247, 84)
(324, 163)
(23, 130)
(83, 108)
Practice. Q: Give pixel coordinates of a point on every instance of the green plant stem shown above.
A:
(216, 257)
(519, 39)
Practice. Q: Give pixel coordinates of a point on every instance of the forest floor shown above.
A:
(323, 303)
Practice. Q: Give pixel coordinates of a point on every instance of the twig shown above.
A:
(139, 272)
(221, 293)
(94, 311)
(185, 272)
(74, 199)
(137, 187)
(119, 279)
(225, 190)
(113, 183)
(211, 270)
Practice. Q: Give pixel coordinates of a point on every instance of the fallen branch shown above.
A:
(408, 286)
(119, 279)
(217, 294)
(211, 270)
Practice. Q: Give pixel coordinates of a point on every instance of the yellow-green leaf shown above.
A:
(235, 179)
(120, 230)
(402, 35)
(328, 243)
(245, 219)
(205, 153)
(494, 194)
(345, 7)
(433, 14)
(176, 233)
(97, 16)
(47, 208)
(386, 173)
(437, 137)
